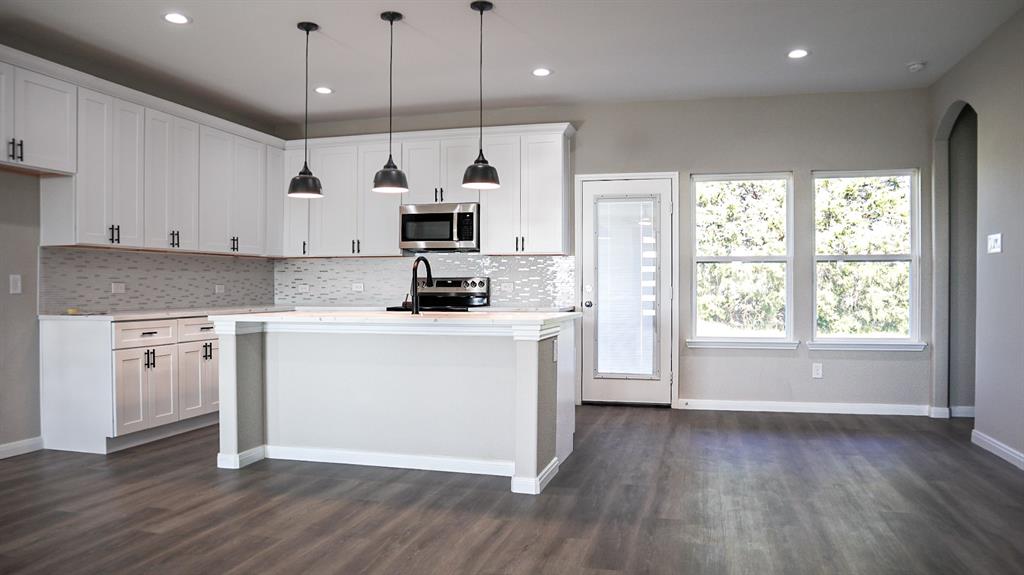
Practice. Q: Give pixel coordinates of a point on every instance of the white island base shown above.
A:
(488, 393)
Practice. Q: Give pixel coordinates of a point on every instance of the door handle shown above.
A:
(12, 144)
(588, 303)
(21, 150)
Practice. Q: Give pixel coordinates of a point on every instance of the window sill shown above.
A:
(847, 345)
(741, 344)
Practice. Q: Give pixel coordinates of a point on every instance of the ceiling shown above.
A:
(246, 57)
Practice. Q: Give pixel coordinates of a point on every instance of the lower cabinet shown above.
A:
(197, 378)
(146, 388)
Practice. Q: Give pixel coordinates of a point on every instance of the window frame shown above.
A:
(784, 341)
(912, 342)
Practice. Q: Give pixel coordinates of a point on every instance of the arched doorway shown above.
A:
(963, 254)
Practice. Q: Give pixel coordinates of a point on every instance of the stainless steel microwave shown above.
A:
(440, 227)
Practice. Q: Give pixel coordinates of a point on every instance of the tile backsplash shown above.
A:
(516, 281)
(81, 277)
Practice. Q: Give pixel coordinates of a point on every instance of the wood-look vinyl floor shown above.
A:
(647, 491)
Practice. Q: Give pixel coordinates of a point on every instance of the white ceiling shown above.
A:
(247, 56)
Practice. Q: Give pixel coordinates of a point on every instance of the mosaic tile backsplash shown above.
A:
(535, 281)
(81, 277)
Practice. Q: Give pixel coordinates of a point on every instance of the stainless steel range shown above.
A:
(450, 294)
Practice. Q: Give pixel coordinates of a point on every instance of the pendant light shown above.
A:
(480, 175)
(306, 185)
(390, 180)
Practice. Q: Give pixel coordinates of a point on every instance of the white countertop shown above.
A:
(378, 316)
(163, 314)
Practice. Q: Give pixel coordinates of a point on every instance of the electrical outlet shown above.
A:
(995, 243)
(816, 372)
(506, 287)
(303, 288)
(218, 288)
(15, 283)
(357, 286)
(117, 287)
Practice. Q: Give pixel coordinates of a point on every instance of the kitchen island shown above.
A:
(485, 392)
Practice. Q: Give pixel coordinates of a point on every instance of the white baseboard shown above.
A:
(240, 460)
(398, 460)
(802, 407)
(938, 412)
(962, 410)
(998, 448)
(20, 447)
(534, 485)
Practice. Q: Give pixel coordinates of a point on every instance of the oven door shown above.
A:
(440, 227)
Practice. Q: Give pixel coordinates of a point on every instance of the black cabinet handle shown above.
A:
(359, 246)
(435, 191)
(111, 234)
(11, 144)
(517, 243)
(303, 247)
(118, 230)
(442, 194)
(149, 362)
(524, 243)
(21, 150)
(148, 333)
(206, 328)
(153, 355)
(353, 246)
(177, 238)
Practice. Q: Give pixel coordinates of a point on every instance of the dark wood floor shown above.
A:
(647, 491)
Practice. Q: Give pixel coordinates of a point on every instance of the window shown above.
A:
(742, 257)
(865, 255)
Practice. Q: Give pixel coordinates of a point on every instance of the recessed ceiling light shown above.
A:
(323, 90)
(177, 18)
(916, 66)
(798, 53)
(541, 72)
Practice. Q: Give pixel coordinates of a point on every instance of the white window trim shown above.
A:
(867, 343)
(786, 341)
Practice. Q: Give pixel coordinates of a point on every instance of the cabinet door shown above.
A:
(378, 213)
(126, 199)
(333, 218)
(216, 175)
(296, 210)
(274, 203)
(500, 214)
(421, 162)
(158, 187)
(46, 120)
(211, 379)
(7, 111)
(545, 202)
(246, 210)
(191, 369)
(184, 205)
(131, 393)
(162, 381)
(456, 155)
(95, 167)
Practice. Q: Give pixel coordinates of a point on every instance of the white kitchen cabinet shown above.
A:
(87, 194)
(333, 219)
(456, 155)
(197, 378)
(232, 174)
(45, 114)
(172, 182)
(501, 209)
(378, 225)
(276, 204)
(295, 241)
(7, 113)
(145, 388)
(128, 183)
(421, 162)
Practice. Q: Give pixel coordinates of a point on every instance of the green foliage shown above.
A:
(741, 299)
(741, 218)
(864, 299)
(862, 215)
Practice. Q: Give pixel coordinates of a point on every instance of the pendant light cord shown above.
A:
(391, 83)
(305, 129)
(481, 76)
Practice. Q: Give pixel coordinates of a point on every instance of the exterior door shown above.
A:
(626, 264)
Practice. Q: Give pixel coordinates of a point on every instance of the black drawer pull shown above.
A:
(206, 328)
(148, 333)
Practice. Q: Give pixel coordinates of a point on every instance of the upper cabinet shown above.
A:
(500, 209)
(172, 182)
(456, 155)
(232, 176)
(38, 120)
(333, 219)
(378, 223)
(128, 182)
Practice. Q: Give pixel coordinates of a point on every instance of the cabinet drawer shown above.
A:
(195, 329)
(145, 333)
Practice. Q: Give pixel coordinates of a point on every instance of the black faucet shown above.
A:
(414, 290)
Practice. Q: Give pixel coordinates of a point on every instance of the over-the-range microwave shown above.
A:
(440, 227)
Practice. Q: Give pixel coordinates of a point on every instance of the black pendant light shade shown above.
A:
(306, 185)
(389, 179)
(480, 175)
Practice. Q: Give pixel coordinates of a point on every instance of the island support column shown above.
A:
(241, 383)
(535, 459)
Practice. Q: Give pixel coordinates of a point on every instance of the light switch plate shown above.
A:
(816, 371)
(995, 243)
(218, 288)
(117, 287)
(357, 286)
(15, 283)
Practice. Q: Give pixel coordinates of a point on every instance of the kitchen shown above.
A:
(565, 293)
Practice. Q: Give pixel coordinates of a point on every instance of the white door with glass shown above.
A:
(626, 263)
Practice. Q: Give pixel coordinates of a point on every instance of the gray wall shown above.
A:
(991, 80)
(19, 344)
(963, 255)
(791, 133)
